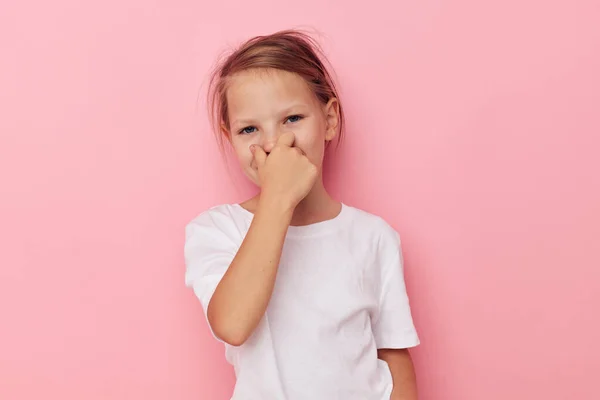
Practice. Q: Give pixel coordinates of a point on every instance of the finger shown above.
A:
(299, 151)
(259, 155)
(286, 139)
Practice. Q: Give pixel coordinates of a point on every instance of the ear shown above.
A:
(332, 118)
(225, 131)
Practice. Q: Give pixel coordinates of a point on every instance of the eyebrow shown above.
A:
(285, 111)
(243, 122)
(289, 109)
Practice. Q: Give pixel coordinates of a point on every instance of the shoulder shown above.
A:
(220, 220)
(375, 226)
(214, 216)
(381, 238)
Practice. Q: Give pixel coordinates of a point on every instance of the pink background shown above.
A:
(473, 128)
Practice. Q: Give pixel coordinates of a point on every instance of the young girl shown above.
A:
(307, 293)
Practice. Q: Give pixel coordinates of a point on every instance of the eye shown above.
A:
(247, 130)
(294, 118)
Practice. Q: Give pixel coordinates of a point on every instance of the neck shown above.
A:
(317, 206)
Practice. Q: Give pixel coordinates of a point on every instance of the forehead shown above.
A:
(266, 90)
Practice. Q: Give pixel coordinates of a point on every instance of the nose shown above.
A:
(268, 140)
(268, 146)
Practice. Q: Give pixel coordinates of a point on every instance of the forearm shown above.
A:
(242, 296)
(403, 373)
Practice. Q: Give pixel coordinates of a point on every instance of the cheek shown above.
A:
(246, 162)
(312, 139)
(242, 152)
(313, 148)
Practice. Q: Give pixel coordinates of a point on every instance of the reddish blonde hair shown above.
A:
(288, 50)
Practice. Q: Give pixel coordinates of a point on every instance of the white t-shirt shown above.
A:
(339, 295)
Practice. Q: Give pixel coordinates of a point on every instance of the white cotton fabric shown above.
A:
(338, 297)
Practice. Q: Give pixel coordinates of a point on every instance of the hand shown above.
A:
(286, 175)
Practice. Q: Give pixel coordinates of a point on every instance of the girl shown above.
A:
(306, 293)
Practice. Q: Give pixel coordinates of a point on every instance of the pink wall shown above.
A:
(473, 128)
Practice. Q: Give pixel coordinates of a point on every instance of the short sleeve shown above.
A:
(393, 327)
(208, 252)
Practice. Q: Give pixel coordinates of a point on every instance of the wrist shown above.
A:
(276, 206)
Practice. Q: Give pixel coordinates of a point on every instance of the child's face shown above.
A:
(263, 104)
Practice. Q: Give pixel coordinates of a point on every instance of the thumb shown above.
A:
(259, 155)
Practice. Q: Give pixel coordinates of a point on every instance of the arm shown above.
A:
(242, 296)
(403, 373)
